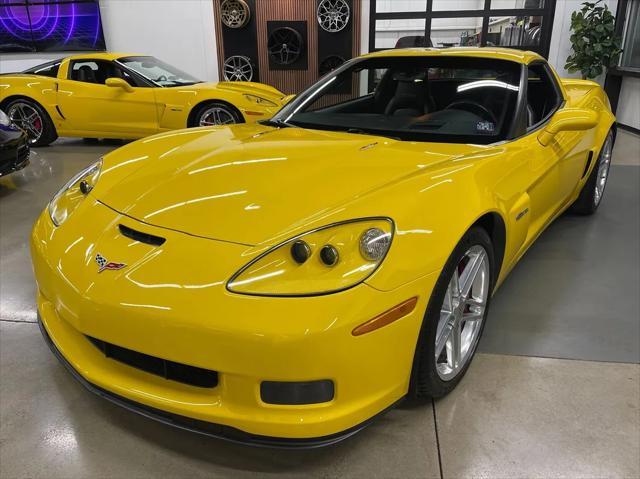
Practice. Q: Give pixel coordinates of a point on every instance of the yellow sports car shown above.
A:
(109, 95)
(284, 282)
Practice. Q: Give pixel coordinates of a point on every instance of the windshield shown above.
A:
(422, 98)
(157, 71)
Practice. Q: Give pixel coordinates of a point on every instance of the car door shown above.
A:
(90, 105)
(549, 166)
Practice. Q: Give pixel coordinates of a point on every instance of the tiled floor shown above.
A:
(515, 414)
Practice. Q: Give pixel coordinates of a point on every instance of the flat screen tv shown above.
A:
(50, 26)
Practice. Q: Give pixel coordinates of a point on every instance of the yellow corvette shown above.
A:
(282, 283)
(109, 95)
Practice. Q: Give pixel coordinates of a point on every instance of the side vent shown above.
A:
(140, 236)
(588, 165)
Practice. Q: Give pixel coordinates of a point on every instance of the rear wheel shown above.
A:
(593, 190)
(455, 317)
(34, 120)
(216, 113)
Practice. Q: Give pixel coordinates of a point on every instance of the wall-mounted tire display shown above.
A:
(238, 68)
(235, 13)
(329, 63)
(333, 15)
(285, 45)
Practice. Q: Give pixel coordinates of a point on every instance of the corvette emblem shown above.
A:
(104, 263)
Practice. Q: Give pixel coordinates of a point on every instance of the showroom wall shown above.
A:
(179, 32)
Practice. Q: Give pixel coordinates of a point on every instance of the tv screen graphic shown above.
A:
(50, 26)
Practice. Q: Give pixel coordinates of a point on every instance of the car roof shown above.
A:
(520, 56)
(103, 56)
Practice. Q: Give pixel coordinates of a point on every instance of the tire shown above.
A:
(215, 113)
(31, 117)
(593, 190)
(431, 378)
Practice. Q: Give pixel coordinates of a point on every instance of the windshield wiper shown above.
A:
(278, 123)
(360, 131)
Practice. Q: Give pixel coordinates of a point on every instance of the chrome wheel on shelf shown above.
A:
(462, 313)
(26, 117)
(238, 68)
(333, 15)
(603, 170)
(235, 13)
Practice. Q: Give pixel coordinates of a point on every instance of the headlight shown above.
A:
(71, 195)
(326, 260)
(4, 119)
(259, 100)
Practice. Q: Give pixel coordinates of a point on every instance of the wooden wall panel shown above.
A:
(288, 81)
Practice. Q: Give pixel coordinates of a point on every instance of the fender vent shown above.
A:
(191, 375)
(588, 165)
(140, 236)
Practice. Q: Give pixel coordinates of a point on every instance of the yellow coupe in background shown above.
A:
(109, 95)
(282, 283)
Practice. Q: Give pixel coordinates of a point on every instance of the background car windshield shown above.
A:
(442, 99)
(158, 72)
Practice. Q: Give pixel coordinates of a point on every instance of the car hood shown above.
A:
(252, 88)
(251, 184)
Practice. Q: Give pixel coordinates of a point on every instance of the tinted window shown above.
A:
(47, 69)
(543, 97)
(421, 98)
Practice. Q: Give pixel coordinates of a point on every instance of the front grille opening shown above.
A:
(191, 375)
(140, 236)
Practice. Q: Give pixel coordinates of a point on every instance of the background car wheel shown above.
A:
(216, 113)
(33, 119)
(593, 190)
(455, 317)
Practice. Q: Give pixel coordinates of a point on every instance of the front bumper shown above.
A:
(218, 431)
(149, 307)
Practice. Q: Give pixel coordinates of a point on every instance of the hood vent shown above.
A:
(140, 236)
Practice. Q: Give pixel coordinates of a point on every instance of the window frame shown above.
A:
(547, 13)
(520, 128)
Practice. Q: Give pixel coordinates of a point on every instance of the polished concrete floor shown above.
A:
(555, 391)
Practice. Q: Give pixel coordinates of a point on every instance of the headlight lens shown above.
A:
(4, 119)
(322, 261)
(259, 100)
(67, 199)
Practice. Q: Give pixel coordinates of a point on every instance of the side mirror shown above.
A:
(287, 99)
(569, 119)
(119, 83)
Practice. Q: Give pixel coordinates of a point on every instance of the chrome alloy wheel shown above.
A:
(238, 68)
(216, 115)
(603, 170)
(333, 15)
(462, 313)
(26, 117)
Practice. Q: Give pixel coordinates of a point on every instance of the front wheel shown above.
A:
(216, 113)
(455, 317)
(593, 190)
(34, 120)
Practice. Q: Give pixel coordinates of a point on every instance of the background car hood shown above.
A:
(250, 184)
(252, 88)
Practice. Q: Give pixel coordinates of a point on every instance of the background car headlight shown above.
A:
(73, 192)
(325, 260)
(4, 119)
(259, 100)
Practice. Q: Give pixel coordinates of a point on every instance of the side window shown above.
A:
(543, 97)
(91, 71)
(47, 70)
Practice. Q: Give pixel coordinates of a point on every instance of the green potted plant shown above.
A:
(593, 41)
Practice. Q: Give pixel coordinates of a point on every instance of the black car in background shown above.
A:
(14, 147)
